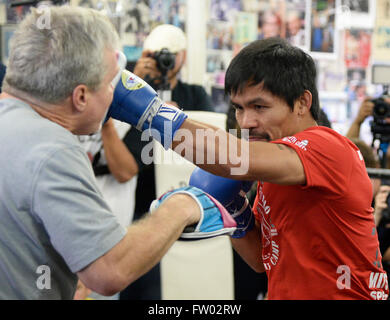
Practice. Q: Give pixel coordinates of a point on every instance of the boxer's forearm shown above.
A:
(250, 249)
(237, 158)
(211, 148)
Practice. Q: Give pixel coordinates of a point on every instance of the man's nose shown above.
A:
(248, 120)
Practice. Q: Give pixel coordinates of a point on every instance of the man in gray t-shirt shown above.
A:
(55, 226)
(53, 213)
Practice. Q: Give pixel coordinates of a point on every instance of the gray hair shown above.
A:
(48, 63)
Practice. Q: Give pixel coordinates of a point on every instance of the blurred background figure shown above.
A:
(295, 32)
(270, 25)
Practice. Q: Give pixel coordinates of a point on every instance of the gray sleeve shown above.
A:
(66, 200)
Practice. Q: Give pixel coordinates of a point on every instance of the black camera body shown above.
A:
(381, 109)
(380, 127)
(165, 60)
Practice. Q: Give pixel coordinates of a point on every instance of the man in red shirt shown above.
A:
(315, 234)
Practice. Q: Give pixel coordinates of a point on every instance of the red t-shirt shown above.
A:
(319, 240)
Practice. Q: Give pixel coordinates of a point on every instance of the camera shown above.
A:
(380, 128)
(381, 109)
(165, 60)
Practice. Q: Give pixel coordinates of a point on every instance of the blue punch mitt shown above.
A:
(214, 220)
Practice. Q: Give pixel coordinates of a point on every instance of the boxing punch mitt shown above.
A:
(137, 103)
(214, 220)
(231, 194)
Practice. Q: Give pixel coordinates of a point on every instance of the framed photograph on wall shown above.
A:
(6, 32)
(357, 14)
(323, 29)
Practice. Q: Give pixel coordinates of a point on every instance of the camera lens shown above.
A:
(165, 60)
(381, 109)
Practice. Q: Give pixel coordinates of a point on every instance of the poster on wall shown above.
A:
(331, 76)
(357, 14)
(224, 10)
(381, 37)
(16, 14)
(216, 65)
(245, 30)
(219, 36)
(323, 32)
(356, 79)
(220, 40)
(357, 48)
(168, 11)
(134, 27)
(287, 19)
(111, 8)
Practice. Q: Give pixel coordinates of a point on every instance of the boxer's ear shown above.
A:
(303, 103)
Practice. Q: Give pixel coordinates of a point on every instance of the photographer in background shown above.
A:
(162, 59)
(380, 128)
(165, 53)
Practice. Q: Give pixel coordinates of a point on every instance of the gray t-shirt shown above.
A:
(53, 219)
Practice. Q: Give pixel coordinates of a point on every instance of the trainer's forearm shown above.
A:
(148, 240)
(141, 248)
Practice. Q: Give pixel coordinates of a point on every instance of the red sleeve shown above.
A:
(326, 157)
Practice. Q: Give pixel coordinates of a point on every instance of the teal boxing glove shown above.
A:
(214, 221)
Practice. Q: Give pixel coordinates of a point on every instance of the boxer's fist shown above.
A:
(135, 102)
(214, 220)
(231, 194)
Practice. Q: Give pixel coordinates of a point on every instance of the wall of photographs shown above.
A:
(345, 37)
(133, 18)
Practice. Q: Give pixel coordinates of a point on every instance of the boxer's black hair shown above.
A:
(286, 71)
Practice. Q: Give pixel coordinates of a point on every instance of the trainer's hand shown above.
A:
(213, 220)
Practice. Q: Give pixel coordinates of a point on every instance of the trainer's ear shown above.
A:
(80, 97)
(304, 102)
